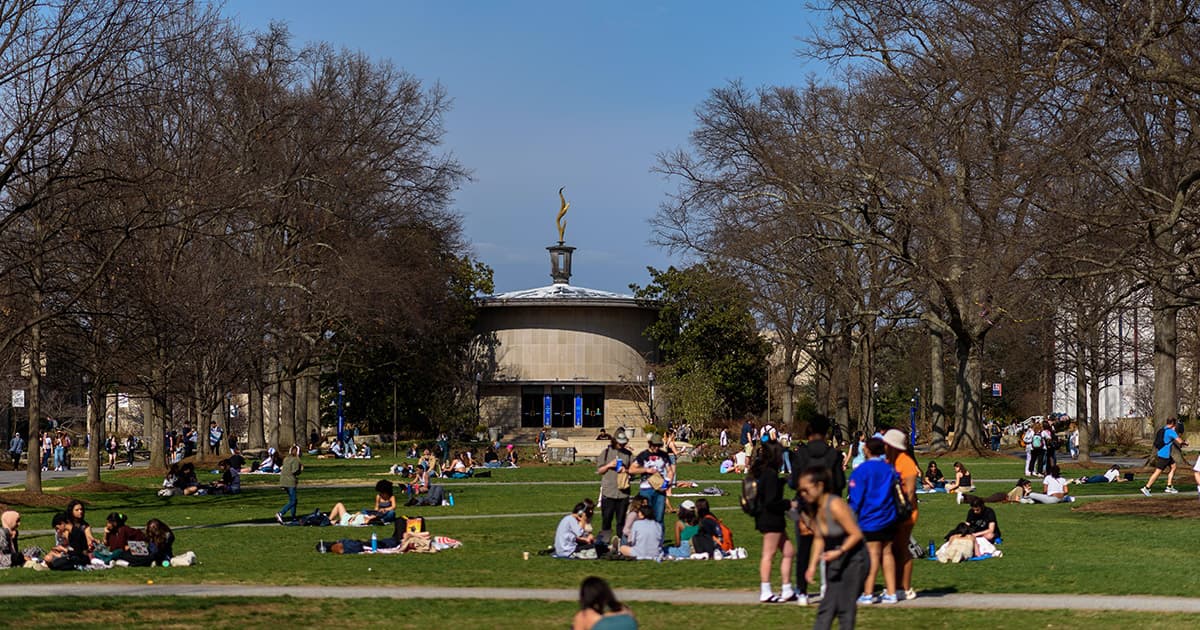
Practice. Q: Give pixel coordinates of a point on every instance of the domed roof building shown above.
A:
(563, 357)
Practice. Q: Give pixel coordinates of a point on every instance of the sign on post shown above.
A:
(18, 398)
(997, 390)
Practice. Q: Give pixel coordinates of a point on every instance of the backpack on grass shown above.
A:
(726, 542)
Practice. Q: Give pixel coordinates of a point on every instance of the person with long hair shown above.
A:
(161, 539)
(900, 456)
(933, 480)
(288, 479)
(962, 483)
(599, 608)
(838, 541)
(75, 512)
(770, 522)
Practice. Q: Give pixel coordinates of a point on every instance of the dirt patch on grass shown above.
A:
(31, 499)
(1154, 506)
(98, 486)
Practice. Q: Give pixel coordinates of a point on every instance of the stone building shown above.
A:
(565, 357)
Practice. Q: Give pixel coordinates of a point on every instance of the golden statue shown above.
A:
(562, 225)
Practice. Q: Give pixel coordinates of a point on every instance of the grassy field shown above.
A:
(1048, 549)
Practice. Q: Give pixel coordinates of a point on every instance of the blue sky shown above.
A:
(550, 94)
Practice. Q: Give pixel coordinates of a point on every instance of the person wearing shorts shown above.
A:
(872, 501)
(1163, 460)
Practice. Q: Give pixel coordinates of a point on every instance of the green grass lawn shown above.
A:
(1048, 549)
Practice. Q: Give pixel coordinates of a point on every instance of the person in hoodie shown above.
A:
(814, 452)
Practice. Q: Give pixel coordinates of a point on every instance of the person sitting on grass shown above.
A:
(270, 464)
(571, 539)
(491, 459)
(162, 541)
(511, 459)
(428, 460)
(600, 610)
(10, 555)
(686, 527)
(1054, 488)
(645, 538)
(962, 481)
(419, 484)
(186, 480)
(1112, 475)
(981, 521)
(75, 511)
(117, 536)
(457, 468)
(635, 507)
(933, 480)
(230, 481)
(70, 549)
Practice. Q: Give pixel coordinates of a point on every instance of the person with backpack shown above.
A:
(873, 500)
(614, 484)
(1038, 446)
(1165, 439)
(714, 538)
(814, 452)
(900, 455)
(766, 504)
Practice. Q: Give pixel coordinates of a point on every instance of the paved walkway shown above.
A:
(1011, 601)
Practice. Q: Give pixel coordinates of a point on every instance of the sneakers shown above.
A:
(279, 517)
(1145, 491)
(1028, 500)
(910, 594)
(958, 498)
(1171, 490)
(865, 599)
(888, 599)
(802, 599)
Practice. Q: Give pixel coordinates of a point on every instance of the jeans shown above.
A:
(657, 501)
(1038, 497)
(291, 504)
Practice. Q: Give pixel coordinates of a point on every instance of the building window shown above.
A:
(531, 405)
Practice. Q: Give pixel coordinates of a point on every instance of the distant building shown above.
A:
(562, 356)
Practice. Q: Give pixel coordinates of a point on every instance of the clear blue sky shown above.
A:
(550, 94)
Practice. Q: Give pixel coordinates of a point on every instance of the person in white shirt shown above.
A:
(571, 537)
(1055, 488)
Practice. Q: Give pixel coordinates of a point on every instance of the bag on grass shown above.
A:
(726, 535)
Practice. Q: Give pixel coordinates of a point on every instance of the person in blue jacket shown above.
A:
(871, 497)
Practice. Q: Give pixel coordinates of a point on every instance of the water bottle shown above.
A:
(618, 469)
(321, 546)
(166, 563)
(450, 498)
(932, 549)
(374, 542)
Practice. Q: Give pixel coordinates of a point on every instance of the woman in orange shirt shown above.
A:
(900, 457)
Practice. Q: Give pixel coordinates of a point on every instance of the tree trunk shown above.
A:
(968, 408)
(33, 470)
(1194, 407)
(866, 382)
(936, 396)
(313, 405)
(1166, 346)
(273, 395)
(1081, 401)
(95, 427)
(300, 407)
(255, 436)
(287, 417)
(841, 382)
(156, 421)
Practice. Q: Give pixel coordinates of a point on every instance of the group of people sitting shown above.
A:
(698, 534)
(77, 549)
(1055, 489)
(182, 479)
(934, 481)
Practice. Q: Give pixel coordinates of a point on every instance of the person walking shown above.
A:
(1165, 439)
(15, 446)
(872, 500)
(288, 478)
(614, 485)
(656, 470)
(839, 544)
(899, 454)
(815, 452)
(771, 523)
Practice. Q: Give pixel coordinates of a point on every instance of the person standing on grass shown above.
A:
(614, 500)
(15, 447)
(655, 468)
(814, 452)
(873, 503)
(288, 474)
(899, 454)
(771, 523)
(1165, 439)
(839, 544)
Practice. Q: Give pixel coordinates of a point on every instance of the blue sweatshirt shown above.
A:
(871, 495)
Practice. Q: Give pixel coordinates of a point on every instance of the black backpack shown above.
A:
(1160, 438)
(751, 499)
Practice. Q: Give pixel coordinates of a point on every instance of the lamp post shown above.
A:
(874, 417)
(650, 378)
(912, 417)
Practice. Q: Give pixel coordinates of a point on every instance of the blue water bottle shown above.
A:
(450, 498)
(374, 542)
(618, 468)
(932, 549)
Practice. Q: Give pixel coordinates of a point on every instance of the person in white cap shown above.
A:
(901, 459)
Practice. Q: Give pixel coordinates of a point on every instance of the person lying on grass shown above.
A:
(383, 512)
(1019, 494)
(1112, 475)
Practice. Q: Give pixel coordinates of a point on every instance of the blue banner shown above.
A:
(341, 413)
(546, 410)
(578, 410)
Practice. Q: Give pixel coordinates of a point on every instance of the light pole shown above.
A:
(650, 378)
(912, 417)
(874, 417)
